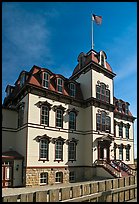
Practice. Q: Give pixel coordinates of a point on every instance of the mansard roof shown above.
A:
(34, 78)
(116, 111)
(91, 56)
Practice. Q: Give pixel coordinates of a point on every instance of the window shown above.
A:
(59, 150)
(121, 152)
(59, 118)
(126, 109)
(102, 93)
(98, 122)
(127, 132)
(108, 122)
(59, 85)
(72, 150)
(71, 176)
(45, 115)
(22, 79)
(102, 60)
(44, 178)
(103, 122)
(72, 121)
(20, 115)
(72, 90)
(45, 81)
(119, 106)
(59, 177)
(44, 147)
(120, 130)
(127, 153)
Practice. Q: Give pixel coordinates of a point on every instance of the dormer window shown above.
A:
(126, 109)
(72, 89)
(102, 59)
(45, 81)
(59, 85)
(22, 79)
(119, 106)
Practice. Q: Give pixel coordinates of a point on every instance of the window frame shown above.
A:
(127, 131)
(58, 151)
(72, 90)
(43, 178)
(22, 79)
(121, 152)
(102, 126)
(43, 115)
(105, 97)
(72, 152)
(59, 176)
(59, 118)
(72, 124)
(59, 85)
(72, 177)
(46, 158)
(121, 130)
(127, 153)
(45, 81)
(21, 109)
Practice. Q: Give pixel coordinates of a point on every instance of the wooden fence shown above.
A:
(111, 190)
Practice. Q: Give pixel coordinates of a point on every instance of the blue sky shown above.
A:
(52, 35)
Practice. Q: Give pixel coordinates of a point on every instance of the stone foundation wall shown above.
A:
(33, 175)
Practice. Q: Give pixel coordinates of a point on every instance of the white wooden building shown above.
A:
(56, 129)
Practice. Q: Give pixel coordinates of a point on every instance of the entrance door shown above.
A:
(103, 150)
(7, 174)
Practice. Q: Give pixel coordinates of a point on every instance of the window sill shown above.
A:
(44, 160)
(56, 160)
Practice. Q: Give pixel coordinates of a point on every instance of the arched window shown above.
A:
(103, 122)
(72, 121)
(102, 93)
(72, 89)
(45, 81)
(45, 115)
(59, 177)
(44, 149)
(59, 85)
(44, 178)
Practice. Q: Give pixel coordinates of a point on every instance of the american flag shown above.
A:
(97, 19)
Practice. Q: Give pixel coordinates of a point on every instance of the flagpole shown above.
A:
(92, 40)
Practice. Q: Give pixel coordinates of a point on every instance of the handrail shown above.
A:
(109, 167)
(124, 167)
